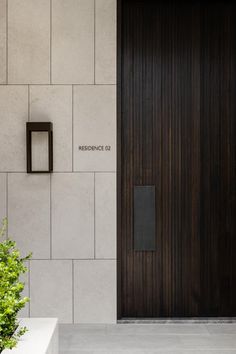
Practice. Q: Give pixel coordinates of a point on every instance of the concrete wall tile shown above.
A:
(54, 104)
(14, 115)
(73, 215)
(95, 125)
(29, 213)
(95, 291)
(51, 289)
(28, 41)
(73, 41)
(105, 39)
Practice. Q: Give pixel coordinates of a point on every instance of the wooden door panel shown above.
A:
(176, 124)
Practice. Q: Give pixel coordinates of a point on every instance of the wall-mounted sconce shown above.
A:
(39, 144)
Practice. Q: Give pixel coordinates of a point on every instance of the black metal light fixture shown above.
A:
(39, 145)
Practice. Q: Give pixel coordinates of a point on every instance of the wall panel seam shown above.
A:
(55, 84)
(91, 172)
(50, 217)
(94, 221)
(94, 44)
(73, 296)
(74, 259)
(6, 211)
(50, 54)
(6, 73)
(28, 103)
(72, 137)
(29, 286)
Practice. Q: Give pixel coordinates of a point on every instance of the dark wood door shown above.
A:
(176, 122)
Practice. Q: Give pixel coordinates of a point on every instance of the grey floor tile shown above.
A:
(221, 329)
(148, 339)
(209, 342)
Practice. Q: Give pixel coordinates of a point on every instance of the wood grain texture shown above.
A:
(176, 130)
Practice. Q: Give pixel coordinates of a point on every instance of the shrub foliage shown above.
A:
(12, 266)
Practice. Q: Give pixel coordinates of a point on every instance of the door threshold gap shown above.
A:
(177, 320)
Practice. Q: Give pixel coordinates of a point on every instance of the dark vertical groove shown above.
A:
(119, 164)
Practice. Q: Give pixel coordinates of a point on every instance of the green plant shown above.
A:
(12, 266)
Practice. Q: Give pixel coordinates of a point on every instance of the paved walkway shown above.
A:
(164, 338)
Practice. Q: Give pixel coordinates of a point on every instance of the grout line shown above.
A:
(54, 84)
(7, 212)
(94, 44)
(72, 104)
(50, 201)
(73, 297)
(50, 42)
(28, 103)
(73, 259)
(29, 285)
(7, 42)
(58, 172)
(94, 216)
(16, 85)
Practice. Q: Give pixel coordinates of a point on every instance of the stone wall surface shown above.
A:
(58, 64)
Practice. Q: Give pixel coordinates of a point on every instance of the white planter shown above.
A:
(41, 338)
